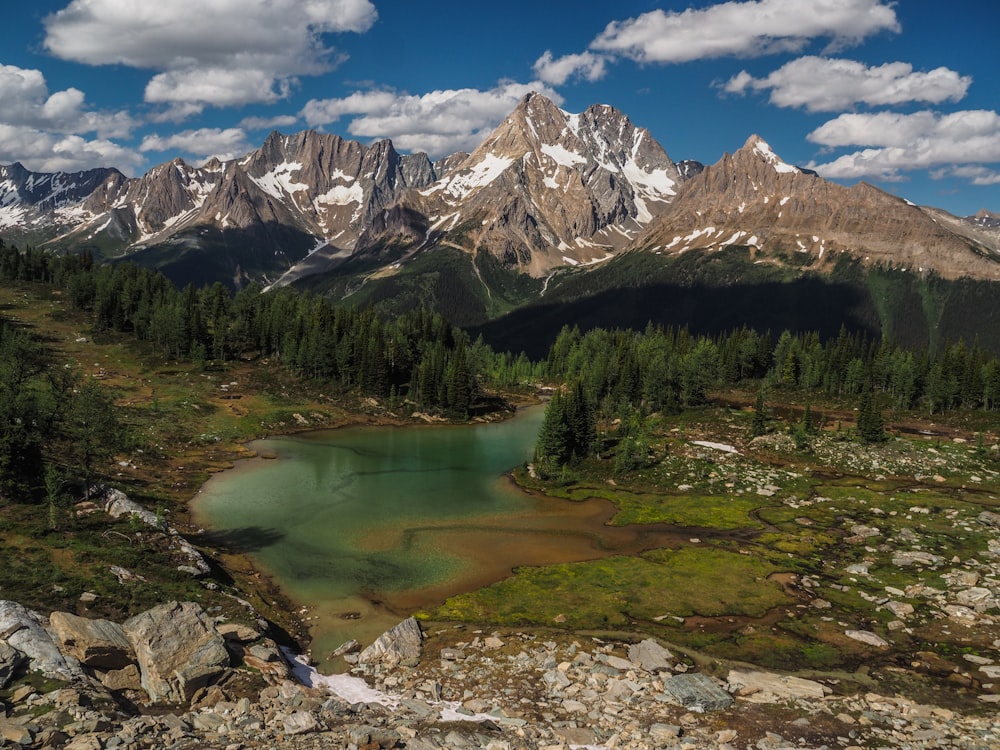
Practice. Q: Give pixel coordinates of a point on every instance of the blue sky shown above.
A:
(900, 94)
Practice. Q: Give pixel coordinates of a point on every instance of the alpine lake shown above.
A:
(364, 526)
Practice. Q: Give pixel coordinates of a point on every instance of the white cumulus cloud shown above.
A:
(893, 143)
(557, 71)
(215, 52)
(45, 151)
(26, 101)
(438, 123)
(744, 29)
(974, 173)
(224, 143)
(822, 84)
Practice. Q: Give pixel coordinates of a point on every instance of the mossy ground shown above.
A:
(773, 530)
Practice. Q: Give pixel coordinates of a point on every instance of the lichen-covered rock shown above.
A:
(697, 692)
(178, 651)
(94, 643)
(401, 644)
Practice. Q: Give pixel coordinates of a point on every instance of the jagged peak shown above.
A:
(761, 149)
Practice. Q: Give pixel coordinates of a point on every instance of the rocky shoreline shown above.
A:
(173, 677)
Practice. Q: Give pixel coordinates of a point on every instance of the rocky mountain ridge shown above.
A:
(547, 190)
(752, 198)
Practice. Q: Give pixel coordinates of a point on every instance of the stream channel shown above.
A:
(365, 525)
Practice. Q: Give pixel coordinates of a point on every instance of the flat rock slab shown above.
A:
(697, 692)
(767, 687)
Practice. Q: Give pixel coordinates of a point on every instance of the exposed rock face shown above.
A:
(548, 188)
(400, 645)
(753, 198)
(24, 630)
(94, 643)
(27, 196)
(178, 651)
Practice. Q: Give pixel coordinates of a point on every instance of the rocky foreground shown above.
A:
(173, 677)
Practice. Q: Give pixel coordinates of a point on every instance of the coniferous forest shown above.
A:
(417, 360)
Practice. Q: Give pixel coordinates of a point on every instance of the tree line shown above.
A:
(417, 357)
(623, 375)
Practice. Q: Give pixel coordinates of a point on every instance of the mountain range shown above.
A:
(552, 208)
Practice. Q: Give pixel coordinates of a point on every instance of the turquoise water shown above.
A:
(332, 518)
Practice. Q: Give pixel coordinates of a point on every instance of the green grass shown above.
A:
(616, 591)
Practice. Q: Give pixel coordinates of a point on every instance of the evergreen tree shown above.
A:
(871, 428)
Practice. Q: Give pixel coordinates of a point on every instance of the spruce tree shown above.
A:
(871, 428)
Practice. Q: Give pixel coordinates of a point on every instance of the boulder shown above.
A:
(300, 722)
(127, 678)
(650, 656)
(238, 632)
(25, 632)
(178, 651)
(401, 644)
(697, 692)
(767, 687)
(94, 643)
(10, 660)
(988, 518)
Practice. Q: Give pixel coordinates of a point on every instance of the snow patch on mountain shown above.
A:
(562, 155)
(761, 147)
(461, 184)
(342, 195)
(279, 181)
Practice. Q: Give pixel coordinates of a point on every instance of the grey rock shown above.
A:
(94, 643)
(300, 722)
(238, 632)
(369, 735)
(650, 656)
(13, 732)
(10, 660)
(27, 634)
(768, 687)
(401, 644)
(697, 692)
(127, 678)
(664, 732)
(867, 637)
(178, 651)
(989, 518)
(83, 742)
